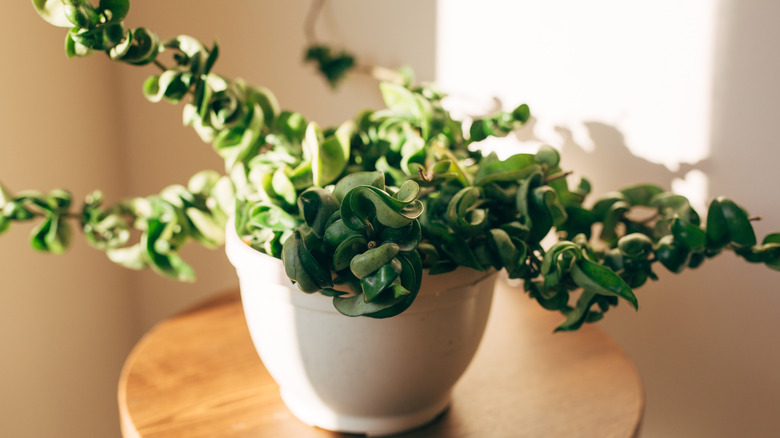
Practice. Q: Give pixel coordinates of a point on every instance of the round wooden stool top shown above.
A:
(198, 375)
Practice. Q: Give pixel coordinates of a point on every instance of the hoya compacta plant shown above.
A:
(359, 211)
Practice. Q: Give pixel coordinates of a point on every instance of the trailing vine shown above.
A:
(358, 211)
(164, 222)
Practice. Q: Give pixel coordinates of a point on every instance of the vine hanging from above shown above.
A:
(333, 65)
(358, 211)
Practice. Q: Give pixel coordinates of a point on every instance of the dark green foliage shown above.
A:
(333, 66)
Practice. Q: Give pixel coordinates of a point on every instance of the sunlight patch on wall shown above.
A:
(643, 69)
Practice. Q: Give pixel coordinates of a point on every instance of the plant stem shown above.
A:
(311, 21)
(556, 176)
(381, 74)
(423, 176)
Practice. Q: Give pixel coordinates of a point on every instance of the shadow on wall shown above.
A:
(611, 165)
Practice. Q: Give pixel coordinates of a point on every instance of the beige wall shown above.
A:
(69, 322)
(707, 342)
(65, 322)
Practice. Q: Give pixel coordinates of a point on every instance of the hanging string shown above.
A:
(310, 22)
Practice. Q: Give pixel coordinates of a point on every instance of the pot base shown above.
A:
(315, 413)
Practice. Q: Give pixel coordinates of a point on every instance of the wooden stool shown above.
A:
(198, 375)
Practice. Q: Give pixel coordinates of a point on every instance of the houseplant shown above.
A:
(159, 260)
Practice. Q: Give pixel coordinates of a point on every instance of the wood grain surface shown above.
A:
(198, 375)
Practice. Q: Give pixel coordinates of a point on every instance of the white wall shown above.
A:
(689, 86)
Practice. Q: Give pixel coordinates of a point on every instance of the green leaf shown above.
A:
(411, 273)
(548, 156)
(539, 207)
(170, 264)
(555, 299)
(210, 233)
(336, 232)
(559, 258)
(526, 208)
(672, 205)
(670, 254)
(238, 143)
(376, 283)
(480, 129)
(132, 257)
(641, 194)
(522, 113)
(53, 11)
(737, 222)
(5, 198)
(332, 65)
(138, 48)
(771, 238)
(350, 246)
(118, 9)
(293, 125)
(317, 206)
(578, 221)
(310, 255)
(74, 48)
(368, 262)
(5, 223)
(38, 239)
(328, 292)
(387, 305)
(364, 202)
(547, 200)
(601, 280)
(264, 98)
(772, 243)
(506, 251)
(81, 15)
(168, 84)
(407, 192)
(407, 238)
(604, 204)
(353, 180)
(283, 187)
(635, 246)
(611, 219)
(717, 228)
(413, 151)
(329, 157)
(462, 214)
(292, 250)
(514, 168)
(402, 100)
(693, 237)
(269, 216)
(576, 317)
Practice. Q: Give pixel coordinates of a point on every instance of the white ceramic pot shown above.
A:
(362, 375)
